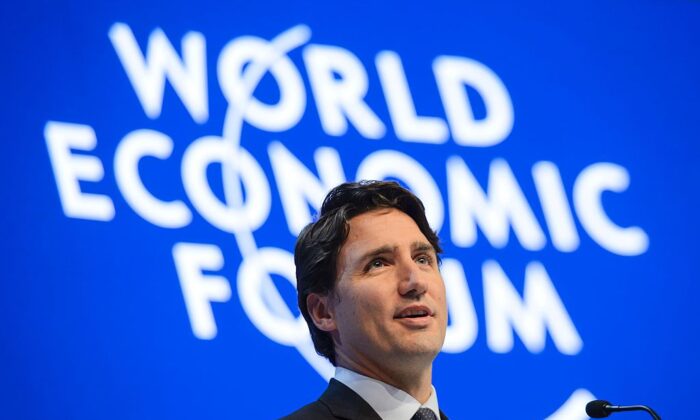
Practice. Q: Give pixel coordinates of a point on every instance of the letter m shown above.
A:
(539, 310)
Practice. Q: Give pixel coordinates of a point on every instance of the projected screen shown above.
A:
(160, 159)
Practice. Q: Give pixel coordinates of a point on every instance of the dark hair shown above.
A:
(318, 246)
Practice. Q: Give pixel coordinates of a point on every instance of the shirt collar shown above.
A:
(389, 402)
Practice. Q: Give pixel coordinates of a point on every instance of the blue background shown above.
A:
(93, 319)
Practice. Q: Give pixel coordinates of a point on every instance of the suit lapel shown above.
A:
(344, 403)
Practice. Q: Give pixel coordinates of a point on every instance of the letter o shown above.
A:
(384, 164)
(229, 217)
(257, 293)
(234, 80)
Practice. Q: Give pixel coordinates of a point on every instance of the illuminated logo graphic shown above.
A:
(339, 83)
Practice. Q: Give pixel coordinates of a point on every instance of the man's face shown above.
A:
(389, 301)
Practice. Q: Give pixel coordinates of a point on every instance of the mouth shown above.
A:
(415, 311)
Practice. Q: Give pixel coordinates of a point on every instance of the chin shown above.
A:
(420, 349)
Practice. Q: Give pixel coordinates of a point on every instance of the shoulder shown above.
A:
(337, 402)
(315, 410)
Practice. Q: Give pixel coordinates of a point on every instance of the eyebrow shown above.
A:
(386, 249)
(421, 246)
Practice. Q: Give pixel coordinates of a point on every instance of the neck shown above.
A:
(413, 380)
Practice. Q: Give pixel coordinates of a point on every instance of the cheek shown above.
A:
(350, 306)
(363, 304)
(443, 293)
(367, 304)
(439, 292)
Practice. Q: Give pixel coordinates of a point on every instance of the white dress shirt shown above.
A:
(389, 402)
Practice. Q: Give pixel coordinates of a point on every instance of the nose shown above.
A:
(412, 280)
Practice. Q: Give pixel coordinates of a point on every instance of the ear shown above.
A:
(320, 311)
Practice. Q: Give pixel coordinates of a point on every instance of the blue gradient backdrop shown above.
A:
(93, 319)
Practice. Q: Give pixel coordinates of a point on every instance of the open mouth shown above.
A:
(413, 313)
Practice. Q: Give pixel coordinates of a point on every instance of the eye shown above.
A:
(424, 259)
(375, 263)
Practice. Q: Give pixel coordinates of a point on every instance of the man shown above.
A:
(372, 295)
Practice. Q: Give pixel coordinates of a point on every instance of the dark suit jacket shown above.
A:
(338, 402)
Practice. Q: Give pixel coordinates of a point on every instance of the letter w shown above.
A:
(147, 74)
